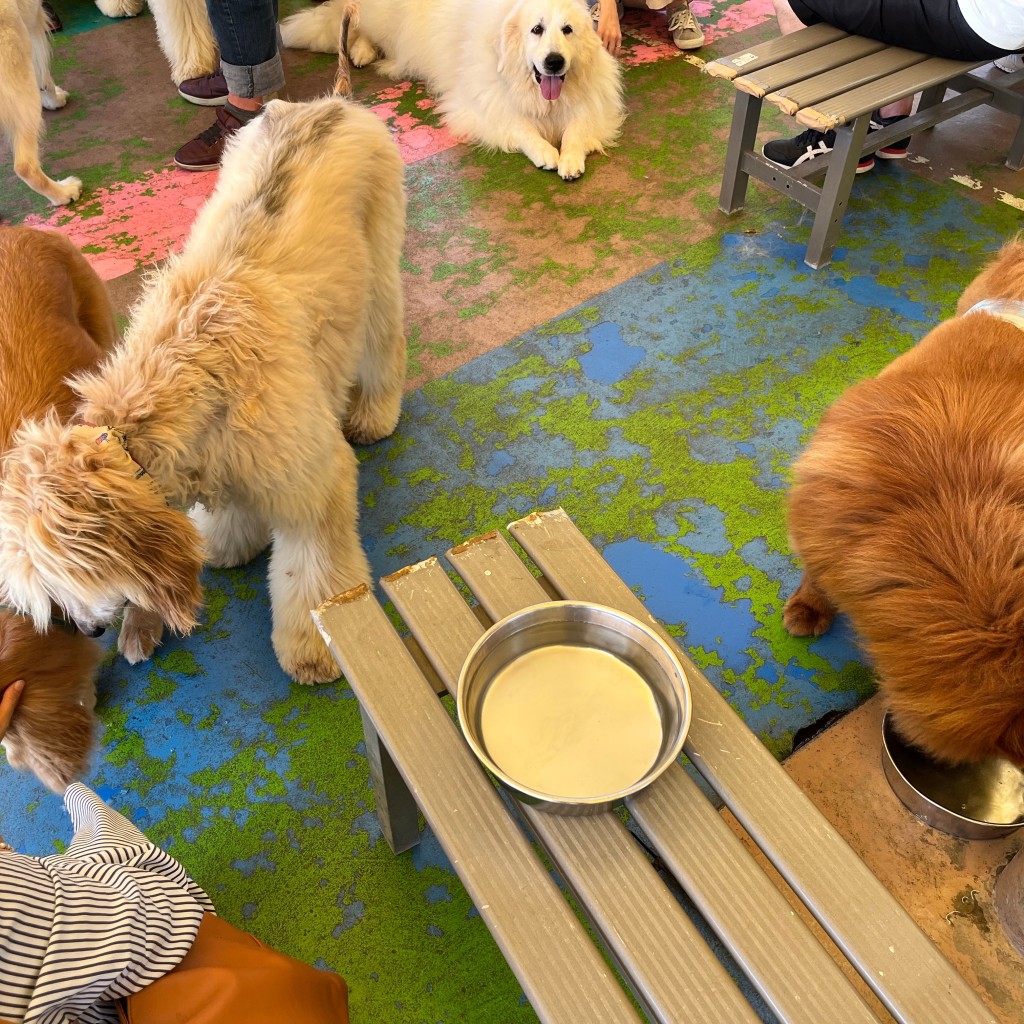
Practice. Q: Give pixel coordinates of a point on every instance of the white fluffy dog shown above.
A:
(251, 357)
(26, 86)
(514, 75)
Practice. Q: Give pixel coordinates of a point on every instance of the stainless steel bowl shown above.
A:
(573, 706)
(984, 800)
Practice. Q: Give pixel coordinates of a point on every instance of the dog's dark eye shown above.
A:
(537, 30)
(567, 30)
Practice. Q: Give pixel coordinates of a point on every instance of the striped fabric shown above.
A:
(94, 924)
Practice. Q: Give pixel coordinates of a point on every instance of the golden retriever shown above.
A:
(907, 512)
(26, 86)
(526, 76)
(55, 320)
(278, 327)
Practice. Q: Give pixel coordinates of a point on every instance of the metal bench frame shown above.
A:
(419, 762)
(833, 81)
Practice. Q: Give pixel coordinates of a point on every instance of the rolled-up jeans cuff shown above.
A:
(253, 80)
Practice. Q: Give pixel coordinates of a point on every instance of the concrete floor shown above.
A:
(945, 883)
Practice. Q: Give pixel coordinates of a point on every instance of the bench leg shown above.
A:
(1015, 159)
(835, 191)
(396, 809)
(745, 116)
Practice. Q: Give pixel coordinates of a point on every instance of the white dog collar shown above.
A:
(108, 435)
(1009, 310)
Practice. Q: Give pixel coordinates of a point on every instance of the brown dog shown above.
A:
(55, 320)
(908, 514)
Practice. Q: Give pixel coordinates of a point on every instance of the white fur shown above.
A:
(183, 30)
(186, 37)
(250, 358)
(479, 58)
(26, 86)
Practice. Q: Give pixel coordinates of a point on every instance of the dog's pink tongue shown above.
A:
(550, 87)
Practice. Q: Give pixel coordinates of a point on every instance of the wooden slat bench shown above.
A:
(830, 80)
(419, 761)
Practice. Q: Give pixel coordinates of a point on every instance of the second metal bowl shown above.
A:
(984, 800)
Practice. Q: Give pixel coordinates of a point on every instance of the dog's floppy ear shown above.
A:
(166, 555)
(510, 43)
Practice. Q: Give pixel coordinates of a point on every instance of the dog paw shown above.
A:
(542, 154)
(807, 617)
(140, 634)
(69, 189)
(366, 424)
(362, 52)
(571, 166)
(53, 98)
(119, 8)
(308, 661)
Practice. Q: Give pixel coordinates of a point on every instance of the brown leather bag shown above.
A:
(230, 977)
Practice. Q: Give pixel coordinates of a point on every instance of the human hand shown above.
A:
(8, 702)
(609, 30)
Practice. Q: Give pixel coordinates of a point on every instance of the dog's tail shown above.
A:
(343, 76)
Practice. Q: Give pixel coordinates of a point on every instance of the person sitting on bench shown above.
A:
(956, 29)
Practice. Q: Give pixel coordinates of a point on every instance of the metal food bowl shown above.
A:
(983, 800)
(573, 706)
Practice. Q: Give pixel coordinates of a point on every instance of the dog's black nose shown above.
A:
(554, 64)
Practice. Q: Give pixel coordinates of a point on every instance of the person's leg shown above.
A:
(683, 28)
(788, 21)
(246, 34)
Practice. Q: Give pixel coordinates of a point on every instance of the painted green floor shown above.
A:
(615, 346)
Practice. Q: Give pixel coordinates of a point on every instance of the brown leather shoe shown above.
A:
(203, 153)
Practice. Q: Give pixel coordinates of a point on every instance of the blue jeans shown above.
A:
(246, 33)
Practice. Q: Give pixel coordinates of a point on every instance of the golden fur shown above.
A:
(26, 86)
(250, 358)
(485, 62)
(908, 515)
(55, 320)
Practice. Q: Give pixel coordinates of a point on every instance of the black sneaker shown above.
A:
(203, 153)
(806, 146)
(895, 150)
(205, 91)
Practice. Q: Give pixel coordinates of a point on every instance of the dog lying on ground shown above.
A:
(55, 320)
(25, 83)
(512, 75)
(276, 329)
(908, 515)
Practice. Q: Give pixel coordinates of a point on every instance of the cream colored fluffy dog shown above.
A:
(515, 75)
(250, 358)
(26, 86)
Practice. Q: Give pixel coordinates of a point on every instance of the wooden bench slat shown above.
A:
(777, 951)
(897, 960)
(836, 55)
(562, 973)
(772, 51)
(841, 79)
(675, 978)
(843, 108)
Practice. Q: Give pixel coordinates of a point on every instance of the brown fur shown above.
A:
(908, 515)
(55, 320)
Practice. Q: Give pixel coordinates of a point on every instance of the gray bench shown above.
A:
(830, 80)
(419, 762)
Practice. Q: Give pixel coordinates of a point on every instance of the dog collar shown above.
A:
(101, 436)
(1009, 310)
